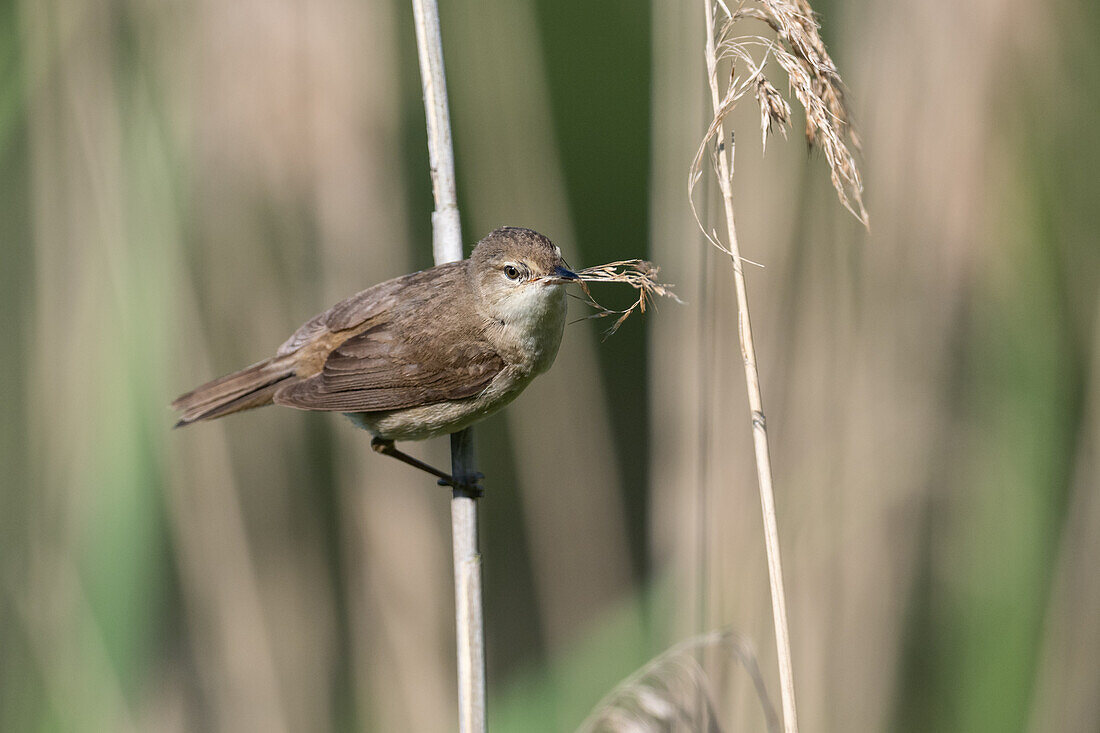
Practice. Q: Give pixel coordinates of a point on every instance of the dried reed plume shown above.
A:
(740, 62)
(812, 77)
(639, 274)
(672, 692)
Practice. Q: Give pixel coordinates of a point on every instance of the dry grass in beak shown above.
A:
(639, 274)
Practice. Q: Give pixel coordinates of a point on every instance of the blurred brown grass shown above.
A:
(185, 184)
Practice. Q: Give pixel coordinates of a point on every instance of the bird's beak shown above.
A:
(562, 275)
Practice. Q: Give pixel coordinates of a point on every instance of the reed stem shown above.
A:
(756, 402)
(447, 247)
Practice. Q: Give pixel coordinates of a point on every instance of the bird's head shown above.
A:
(519, 276)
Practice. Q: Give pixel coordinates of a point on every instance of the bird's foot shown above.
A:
(468, 486)
(462, 486)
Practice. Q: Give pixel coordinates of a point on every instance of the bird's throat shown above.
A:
(532, 321)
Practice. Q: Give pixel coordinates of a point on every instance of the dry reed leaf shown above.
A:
(639, 274)
(673, 692)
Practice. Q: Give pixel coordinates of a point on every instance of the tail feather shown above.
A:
(251, 387)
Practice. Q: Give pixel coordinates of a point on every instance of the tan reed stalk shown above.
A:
(815, 83)
(756, 409)
(447, 247)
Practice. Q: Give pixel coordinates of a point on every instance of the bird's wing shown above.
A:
(414, 290)
(369, 352)
(387, 368)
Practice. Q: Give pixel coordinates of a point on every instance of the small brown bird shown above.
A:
(418, 356)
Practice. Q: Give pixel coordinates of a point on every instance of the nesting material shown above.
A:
(638, 274)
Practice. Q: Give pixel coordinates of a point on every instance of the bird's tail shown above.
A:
(251, 387)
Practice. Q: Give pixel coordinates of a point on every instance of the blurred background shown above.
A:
(183, 183)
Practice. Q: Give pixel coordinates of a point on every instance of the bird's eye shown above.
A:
(511, 272)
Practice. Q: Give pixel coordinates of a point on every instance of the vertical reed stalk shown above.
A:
(447, 247)
(756, 404)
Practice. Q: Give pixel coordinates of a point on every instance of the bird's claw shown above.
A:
(466, 486)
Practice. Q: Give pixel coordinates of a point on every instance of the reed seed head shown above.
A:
(794, 43)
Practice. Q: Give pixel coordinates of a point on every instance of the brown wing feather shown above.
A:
(366, 353)
(380, 299)
(372, 372)
(388, 363)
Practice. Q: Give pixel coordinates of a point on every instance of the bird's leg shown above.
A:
(387, 448)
